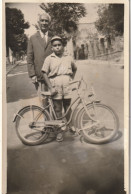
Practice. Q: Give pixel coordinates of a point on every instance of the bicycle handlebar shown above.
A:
(76, 81)
(73, 82)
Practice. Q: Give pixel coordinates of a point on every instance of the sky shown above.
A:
(31, 11)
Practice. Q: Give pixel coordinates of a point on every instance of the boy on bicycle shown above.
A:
(59, 69)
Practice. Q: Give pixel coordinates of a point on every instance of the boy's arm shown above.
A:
(74, 69)
(52, 90)
(45, 70)
(47, 81)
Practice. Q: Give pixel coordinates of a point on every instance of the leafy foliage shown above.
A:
(15, 25)
(62, 13)
(111, 19)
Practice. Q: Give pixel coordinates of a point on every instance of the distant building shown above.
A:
(86, 32)
(91, 44)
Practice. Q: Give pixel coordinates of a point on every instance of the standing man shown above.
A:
(39, 47)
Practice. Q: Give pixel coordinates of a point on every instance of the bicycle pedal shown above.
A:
(78, 131)
(63, 128)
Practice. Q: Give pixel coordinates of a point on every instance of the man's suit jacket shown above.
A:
(37, 51)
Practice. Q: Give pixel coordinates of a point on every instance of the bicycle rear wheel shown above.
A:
(30, 125)
(105, 129)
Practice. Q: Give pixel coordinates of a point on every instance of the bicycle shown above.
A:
(96, 122)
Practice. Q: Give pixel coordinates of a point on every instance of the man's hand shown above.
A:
(34, 79)
(53, 91)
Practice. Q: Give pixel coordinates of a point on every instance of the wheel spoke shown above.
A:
(30, 125)
(32, 113)
(38, 116)
(106, 126)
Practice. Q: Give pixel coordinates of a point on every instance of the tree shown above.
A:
(62, 13)
(15, 25)
(111, 19)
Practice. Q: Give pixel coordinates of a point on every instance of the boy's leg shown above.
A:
(58, 107)
(58, 111)
(67, 100)
(66, 104)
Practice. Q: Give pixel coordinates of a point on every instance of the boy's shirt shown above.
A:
(55, 66)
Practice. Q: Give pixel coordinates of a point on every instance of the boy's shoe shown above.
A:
(72, 130)
(59, 137)
(63, 128)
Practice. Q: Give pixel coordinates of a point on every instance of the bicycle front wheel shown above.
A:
(102, 124)
(30, 125)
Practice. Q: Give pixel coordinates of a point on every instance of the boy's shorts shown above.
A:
(61, 84)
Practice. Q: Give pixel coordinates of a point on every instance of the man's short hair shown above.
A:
(45, 14)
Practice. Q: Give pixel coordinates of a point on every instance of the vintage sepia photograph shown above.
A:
(65, 97)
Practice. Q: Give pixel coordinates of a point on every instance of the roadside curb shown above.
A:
(98, 62)
(12, 68)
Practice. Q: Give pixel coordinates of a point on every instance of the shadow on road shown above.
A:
(117, 137)
(19, 87)
(66, 168)
(70, 167)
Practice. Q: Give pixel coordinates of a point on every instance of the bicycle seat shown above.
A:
(46, 93)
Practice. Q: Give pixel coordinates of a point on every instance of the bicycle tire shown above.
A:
(97, 135)
(25, 117)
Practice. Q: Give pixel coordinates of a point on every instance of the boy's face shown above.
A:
(57, 47)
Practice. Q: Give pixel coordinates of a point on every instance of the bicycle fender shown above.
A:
(16, 115)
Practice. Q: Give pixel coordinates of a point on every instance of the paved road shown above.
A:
(73, 166)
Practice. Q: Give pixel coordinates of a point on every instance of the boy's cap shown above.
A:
(56, 38)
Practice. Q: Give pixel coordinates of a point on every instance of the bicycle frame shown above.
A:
(77, 101)
(34, 123)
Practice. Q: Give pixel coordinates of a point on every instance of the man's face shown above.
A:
(44, 23)
(57, 47)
